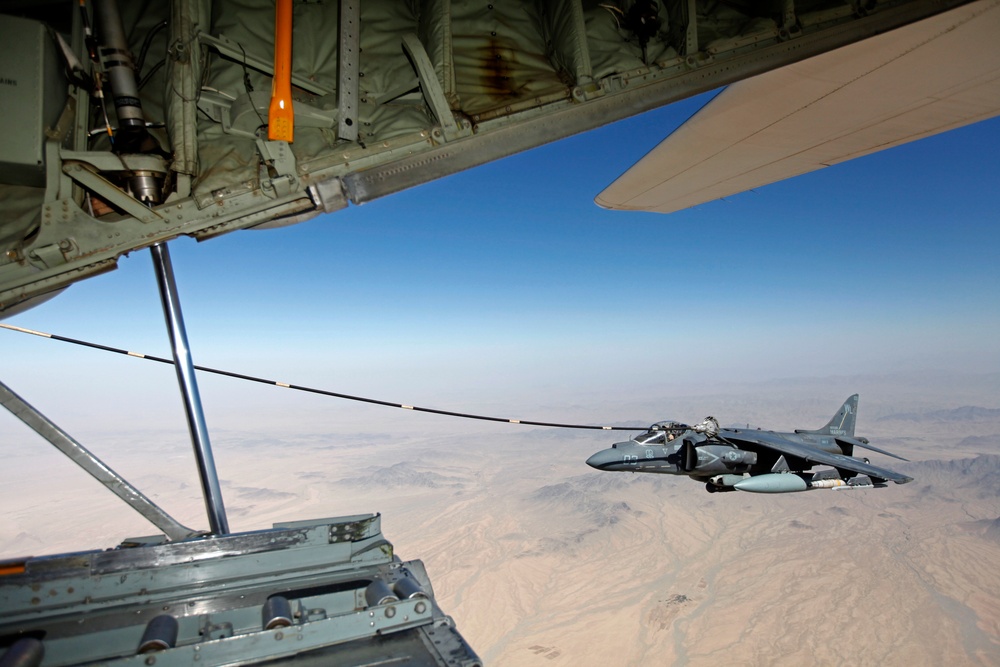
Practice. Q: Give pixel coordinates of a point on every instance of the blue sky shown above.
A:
(507, 283)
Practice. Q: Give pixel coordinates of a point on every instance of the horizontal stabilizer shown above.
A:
(854, 442)
(906, 84)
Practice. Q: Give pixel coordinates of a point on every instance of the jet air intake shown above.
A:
(689, 456)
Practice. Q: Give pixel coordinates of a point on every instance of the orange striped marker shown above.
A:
(280, 115)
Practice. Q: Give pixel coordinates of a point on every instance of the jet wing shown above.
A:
(903, 85)
(774, 442)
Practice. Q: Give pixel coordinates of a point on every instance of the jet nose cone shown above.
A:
(601, 459)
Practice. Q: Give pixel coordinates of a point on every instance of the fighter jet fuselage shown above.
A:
(728, 459)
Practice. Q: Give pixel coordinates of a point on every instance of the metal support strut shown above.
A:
(93, 465)
(189, 390)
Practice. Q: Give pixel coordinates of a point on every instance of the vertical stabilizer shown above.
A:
(843, 422)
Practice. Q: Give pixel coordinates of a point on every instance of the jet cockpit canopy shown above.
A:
(661, 432)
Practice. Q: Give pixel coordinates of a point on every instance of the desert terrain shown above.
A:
(543, 561)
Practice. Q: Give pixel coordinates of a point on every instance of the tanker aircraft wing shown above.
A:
(201, 117)
(894, 88)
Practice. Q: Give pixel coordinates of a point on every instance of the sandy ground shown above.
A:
(542, 560)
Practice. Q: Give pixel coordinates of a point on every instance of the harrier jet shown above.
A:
(728, 459)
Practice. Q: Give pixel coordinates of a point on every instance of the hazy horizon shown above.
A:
(279, 427)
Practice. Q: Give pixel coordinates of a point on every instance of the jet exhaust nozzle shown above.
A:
(728, 480)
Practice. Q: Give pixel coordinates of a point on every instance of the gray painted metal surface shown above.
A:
(106, 605)
(350, 56)
(728, 459)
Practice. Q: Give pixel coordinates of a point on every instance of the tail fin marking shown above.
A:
(842, 423)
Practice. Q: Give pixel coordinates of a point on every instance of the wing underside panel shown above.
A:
(386, 95)
(916, 81)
